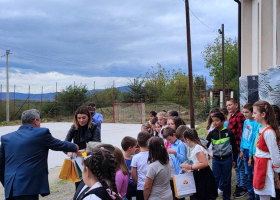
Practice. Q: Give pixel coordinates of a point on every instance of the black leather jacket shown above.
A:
(81, 137)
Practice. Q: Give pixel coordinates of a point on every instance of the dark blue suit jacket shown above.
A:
(23, 160)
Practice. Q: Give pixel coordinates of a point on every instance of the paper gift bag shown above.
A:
(78, 166)
(68, 171)
(184, 185)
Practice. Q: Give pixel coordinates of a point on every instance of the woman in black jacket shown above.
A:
(83, 129)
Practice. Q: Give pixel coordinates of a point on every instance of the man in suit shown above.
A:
(23, 158)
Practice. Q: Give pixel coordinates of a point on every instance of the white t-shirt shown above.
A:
(198, 148)
(140, 161)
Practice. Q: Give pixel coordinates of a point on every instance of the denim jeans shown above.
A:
(241, 180)
(249, 171)
(222, 168)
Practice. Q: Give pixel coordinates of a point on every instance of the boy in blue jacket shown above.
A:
(250, 130)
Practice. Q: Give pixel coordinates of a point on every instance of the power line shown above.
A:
(214, 30)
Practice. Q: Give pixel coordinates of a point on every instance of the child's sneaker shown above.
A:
(237, 190)
(240, 194)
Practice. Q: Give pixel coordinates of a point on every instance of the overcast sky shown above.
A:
(91, 40)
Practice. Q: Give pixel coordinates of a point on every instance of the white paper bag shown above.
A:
(184, 185)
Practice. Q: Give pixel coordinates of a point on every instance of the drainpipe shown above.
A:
(239, 46)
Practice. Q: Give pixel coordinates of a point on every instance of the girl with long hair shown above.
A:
(267, 163)
(122, 173)
(158, 174)
(206, 188)
(99, 176)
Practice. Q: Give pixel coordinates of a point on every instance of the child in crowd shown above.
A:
(225, 113)
(152, 114)
(139, 164)
(175, 122)
(153, 123)
(129, 145)
(180, 136)
(99, 175)
(267, 161)
(162, 120)
(171, 123)
(210, 121)
(158, 174)
(206, 188)
(147, 127)
(250, 130)
(177, 153)
(122, 173)
(224, 153)
(235, 124)
(158, 128)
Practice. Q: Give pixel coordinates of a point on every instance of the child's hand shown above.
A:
(241, 155)
(234, 164)
(254, 157)
(185, 167)
(250, 162)
(171, 151)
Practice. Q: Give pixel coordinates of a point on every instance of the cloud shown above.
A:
(117, 38)
(48, 81)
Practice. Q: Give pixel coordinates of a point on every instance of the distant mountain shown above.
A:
(46, 96)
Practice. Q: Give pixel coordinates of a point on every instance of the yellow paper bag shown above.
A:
(68, 171)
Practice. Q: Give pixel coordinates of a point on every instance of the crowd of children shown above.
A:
(247, 142)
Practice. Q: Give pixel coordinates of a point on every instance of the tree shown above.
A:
(136, 91)
(71, 98)
(198, 85)
(107, 97)
(212, 55)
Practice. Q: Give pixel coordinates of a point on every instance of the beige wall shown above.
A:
(246, 37)
(260, 42)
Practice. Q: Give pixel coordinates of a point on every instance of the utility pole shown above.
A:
(222, 32)
(7, 91)
(190, 64)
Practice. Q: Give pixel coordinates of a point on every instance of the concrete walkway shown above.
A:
(111, 134)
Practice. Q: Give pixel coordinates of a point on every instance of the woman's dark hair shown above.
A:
(82, 110)
(277, 113)
(220, 116)
(265, 107)
(154, 113)
(102, 165)
(178, 121)
(157, 151)
(213, 110)
(192, 136)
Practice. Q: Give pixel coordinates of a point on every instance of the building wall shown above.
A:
(260, 40)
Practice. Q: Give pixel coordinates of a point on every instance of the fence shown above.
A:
(52, 110)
